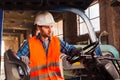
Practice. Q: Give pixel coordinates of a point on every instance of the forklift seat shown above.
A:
(11, 64)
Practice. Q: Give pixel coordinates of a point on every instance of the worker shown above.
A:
(44, 49)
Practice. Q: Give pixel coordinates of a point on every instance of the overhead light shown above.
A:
(32, 16)
(21, 25)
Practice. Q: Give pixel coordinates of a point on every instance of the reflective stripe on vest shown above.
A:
(42, 65)
(45, 76)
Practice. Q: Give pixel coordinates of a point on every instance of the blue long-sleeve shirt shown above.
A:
(64, 48)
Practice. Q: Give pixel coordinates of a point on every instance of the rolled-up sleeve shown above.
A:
(23, 50)
(66, 48)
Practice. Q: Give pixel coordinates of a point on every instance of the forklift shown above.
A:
(97, 66)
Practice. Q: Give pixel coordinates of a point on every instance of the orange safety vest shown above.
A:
(45, 67)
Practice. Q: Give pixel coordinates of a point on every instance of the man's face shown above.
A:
(46, 31)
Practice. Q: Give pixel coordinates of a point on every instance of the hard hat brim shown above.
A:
(50, 24)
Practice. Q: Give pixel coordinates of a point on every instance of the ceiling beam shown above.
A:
(17, 26)
(43, 4)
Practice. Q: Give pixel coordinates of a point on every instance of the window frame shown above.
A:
(80, 21)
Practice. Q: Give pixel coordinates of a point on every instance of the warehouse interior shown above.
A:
(18, 25)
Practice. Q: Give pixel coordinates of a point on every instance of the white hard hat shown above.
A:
(44, 18)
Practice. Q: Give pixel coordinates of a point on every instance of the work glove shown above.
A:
(25, 59)
(77, 51)
(75, 56)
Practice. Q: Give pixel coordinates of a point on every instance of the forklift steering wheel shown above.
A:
(90, 51)
(92, 47)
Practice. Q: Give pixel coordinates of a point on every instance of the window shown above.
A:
(58, 29)
(3, 48)
(93, 14)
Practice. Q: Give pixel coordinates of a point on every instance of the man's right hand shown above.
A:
(25, 59)
(75, 56)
